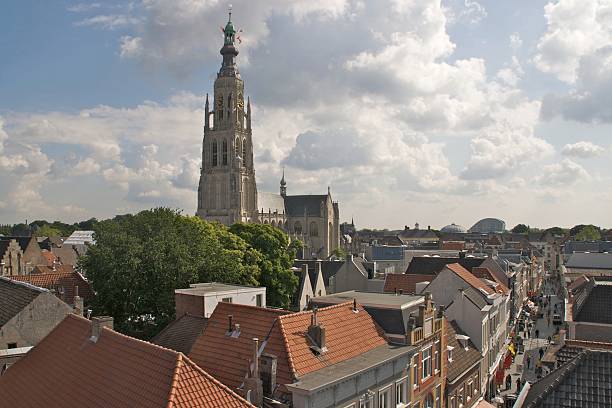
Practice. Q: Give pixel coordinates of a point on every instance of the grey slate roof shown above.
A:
(463, 358)
(587, 246)
(477, 297)
(181, 334)
(584, 381)
(270, 202)
(596, 304)
(589, 261)
(328, 268)
(423, 265)
(14, 296)
(310, 205)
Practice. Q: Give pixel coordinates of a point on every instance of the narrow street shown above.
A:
(526, 362)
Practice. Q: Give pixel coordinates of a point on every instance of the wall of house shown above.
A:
(305, 293)
(188, 304)
(379, 379)
(445, 286)
(469, 318)
(457, 393)
(13, 259)
(204, 305)
(34, 322)
(349, 277)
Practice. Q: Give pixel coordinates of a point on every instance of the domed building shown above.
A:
(488, 225)
(453, 229)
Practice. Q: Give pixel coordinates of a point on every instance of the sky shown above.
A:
(425, 111)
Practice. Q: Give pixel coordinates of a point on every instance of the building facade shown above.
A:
(227, 192)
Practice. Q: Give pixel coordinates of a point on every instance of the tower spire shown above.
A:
(229, 51)
(283, 184)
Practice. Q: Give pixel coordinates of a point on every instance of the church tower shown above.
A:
(227, 192)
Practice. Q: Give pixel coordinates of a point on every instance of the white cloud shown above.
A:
(130, 46)
(515, 41)
(565, 173)
(583, 149)
(108, 22)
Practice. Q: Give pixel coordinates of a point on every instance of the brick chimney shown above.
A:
(316, 332)
(253, 389)
(97, 323)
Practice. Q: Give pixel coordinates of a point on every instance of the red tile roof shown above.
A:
(453, 245)
(65, 282)
(469, 278)
(48, 256)
(66, 369)
(227, 358)
(485, 273)
(404, 281)
(44, 269)
(348, 334)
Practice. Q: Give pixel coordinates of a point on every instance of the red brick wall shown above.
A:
(194, 305)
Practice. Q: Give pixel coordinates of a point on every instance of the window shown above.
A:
(214, 153)
(297, 228)
(460, 396)
(429, 401)
(477, 383)
(227, 300)
(237, 147)
(244, 152)
(439, 396)
(468, 389)
(314, 230)
(367, 401)
(401, 393)
(450, 353)
(453, 402)
(438, 356)
(259, 300)
(426, 363)
(415, 372)
(12, 345)
(384, 398)
(225, 152)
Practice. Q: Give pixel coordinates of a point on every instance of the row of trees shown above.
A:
(579, 232)
(139, 260)
(44, 228)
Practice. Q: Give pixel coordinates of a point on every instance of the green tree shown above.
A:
(588, 233)
(276, 262)
(139, 260)
(520, 229)
(48, 231)
(339, 253)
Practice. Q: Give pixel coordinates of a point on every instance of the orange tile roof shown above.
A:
(469, 278)
(453, 245)
(44, 269)
(66, 369)
(485, 273)
(227, 358)
(405, 281)
(48, 256)
(60, 281)
(348, 334)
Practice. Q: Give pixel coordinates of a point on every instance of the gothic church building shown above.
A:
(227, 192)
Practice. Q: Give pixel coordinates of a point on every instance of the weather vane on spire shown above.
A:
(230, 12)
(229, 31)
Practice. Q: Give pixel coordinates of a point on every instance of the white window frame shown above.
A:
(437, 353)
(415, 372)
(468, 390)
(438, 397)
(424, 362)
(385, 393)
(403, 384)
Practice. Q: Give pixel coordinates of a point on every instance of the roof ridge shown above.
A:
(175, 375)
(27, 285)
(187, 362)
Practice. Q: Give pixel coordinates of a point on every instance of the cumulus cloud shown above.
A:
(565, 173)
(583, 149)
(576, 49)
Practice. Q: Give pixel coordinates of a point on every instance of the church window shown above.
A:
(225, 152)
(244, 152)
(297, 227)
(214, 153)
(237, 147)
(314, 229)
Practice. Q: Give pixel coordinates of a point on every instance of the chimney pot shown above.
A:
(97, 323)
(230, 323)
(354, 305)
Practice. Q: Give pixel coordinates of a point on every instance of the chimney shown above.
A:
(440, 311)
(355, 310)
(230, 325)
(253, 389)
(428, 227)
(316, 332)
(97, 323)
(78, 305)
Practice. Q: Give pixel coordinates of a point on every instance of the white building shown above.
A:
(200, 299)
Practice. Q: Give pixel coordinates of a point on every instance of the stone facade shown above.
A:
(227, 191)
(12, 261)
(34, 321)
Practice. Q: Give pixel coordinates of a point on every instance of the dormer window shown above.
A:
(449, 351)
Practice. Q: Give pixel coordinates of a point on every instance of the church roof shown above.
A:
(310, 205)
(270, 202)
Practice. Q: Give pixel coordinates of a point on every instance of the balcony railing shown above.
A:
(418, 334)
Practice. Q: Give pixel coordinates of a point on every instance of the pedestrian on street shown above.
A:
(518, 385)
(549, 339)
(528, 362)
(508, 382)
(541, 353)
(537, 333)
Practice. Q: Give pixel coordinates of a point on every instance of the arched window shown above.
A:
(225, 152)
(265, 221)
(273, 223)
(314, 229)
(429, 401)
(214, 153)
(244, 152)
(297, 228)
(237, 147)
